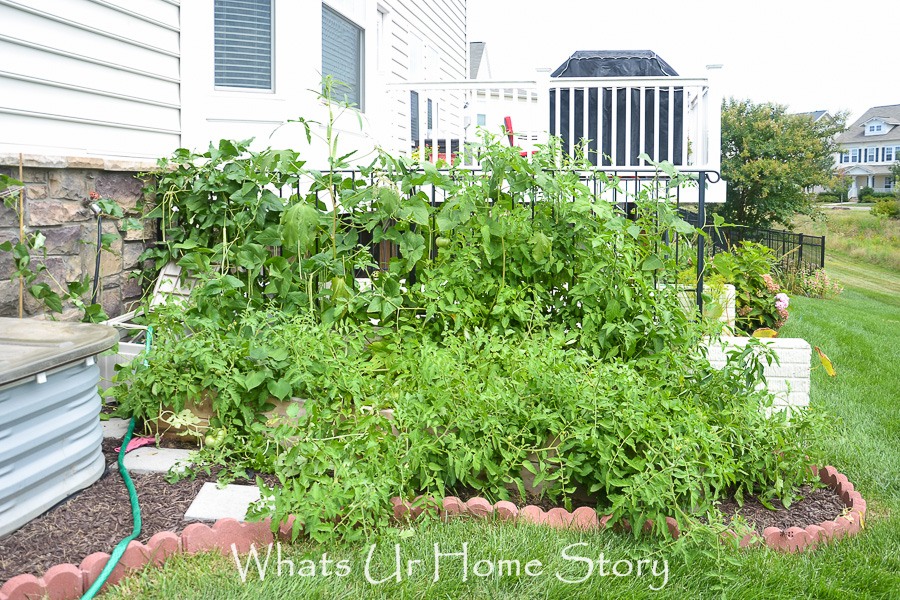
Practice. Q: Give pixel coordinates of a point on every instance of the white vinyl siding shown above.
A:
(343, 57)
(82, 77)
(243, 44)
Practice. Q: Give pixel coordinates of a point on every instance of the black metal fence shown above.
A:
(792, 250)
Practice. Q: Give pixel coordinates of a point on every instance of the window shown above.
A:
(845, 156)
(871, 154)
(889, 154)
(414, 115)
(854, 155)
(888, 183)
(482, 119)
(243, 44)
(342, 57)
(430, 110)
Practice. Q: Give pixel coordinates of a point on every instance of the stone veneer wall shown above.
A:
(57, 192)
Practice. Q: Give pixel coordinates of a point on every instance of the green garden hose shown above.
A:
(135, 512)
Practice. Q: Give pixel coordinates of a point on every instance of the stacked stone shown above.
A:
(57, 192)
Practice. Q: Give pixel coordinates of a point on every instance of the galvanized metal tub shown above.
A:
(50, 432)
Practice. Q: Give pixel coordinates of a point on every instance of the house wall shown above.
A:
(433, 32)
(86, 78)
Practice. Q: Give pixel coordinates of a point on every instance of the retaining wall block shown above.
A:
(480, 507)
(453, 506)
(672, 524)
(604, 520)
(827, 474)
(242, 535)
(533, 514)
(559, 518)
(161, 546)
(64, 582)
(286, 528)
(23, 587)
(135, 557)
(816, 534)
(197, 537)
(92, 566)
(506, 511)
(828, 526)
(585, 518)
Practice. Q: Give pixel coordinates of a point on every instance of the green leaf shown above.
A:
(540, 246)
(281, 389)
(255, 379)
(652, 263)
(414, 209)
(299, 225)
(387, 200)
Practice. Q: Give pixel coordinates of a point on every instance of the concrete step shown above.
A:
(150, 459)
(212, 503)
(114, 428)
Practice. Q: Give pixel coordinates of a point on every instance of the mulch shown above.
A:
(817, 505)
(97, 518)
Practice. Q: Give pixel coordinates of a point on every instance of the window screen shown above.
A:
(342, 56)
(414, 115)
(243, 44)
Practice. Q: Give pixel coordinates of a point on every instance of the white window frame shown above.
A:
(888, 182)
(873, 152)
(252, 90)
(889, 154)
(854, 155)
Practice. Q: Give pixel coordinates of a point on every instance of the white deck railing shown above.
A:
(668, 118)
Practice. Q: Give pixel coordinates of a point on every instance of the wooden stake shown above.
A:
(21, 233)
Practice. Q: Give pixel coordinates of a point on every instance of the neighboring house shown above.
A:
(868, 149)
(816, 115)
(129, 79)
(490, 107)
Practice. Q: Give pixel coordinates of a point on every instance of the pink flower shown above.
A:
(782, 301)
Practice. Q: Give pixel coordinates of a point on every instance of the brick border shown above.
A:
(69, 582)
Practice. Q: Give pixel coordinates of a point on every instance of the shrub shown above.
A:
(887, 208)
(759, 301)
(813, 283)
(828, 197)
(864, 193)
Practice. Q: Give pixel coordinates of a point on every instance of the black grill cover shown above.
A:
(614, 63)
(618, 63)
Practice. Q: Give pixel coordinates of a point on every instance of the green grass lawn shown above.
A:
(860, 332)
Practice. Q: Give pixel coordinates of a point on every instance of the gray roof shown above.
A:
(814, 115)
(856, 132)
(476, 51)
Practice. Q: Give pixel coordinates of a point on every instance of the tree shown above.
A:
(895, 172)
(769, 159)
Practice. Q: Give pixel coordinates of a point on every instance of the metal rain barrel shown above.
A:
(50, 432)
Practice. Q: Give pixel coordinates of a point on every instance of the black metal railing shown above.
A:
(792, 250)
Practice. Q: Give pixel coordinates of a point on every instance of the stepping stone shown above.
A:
(156, 460)
(114, 428)
(212, 503)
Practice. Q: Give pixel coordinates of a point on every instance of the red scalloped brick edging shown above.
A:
(69, 582)
(794, 539)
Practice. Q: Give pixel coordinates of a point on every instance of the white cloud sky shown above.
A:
(809, 55)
